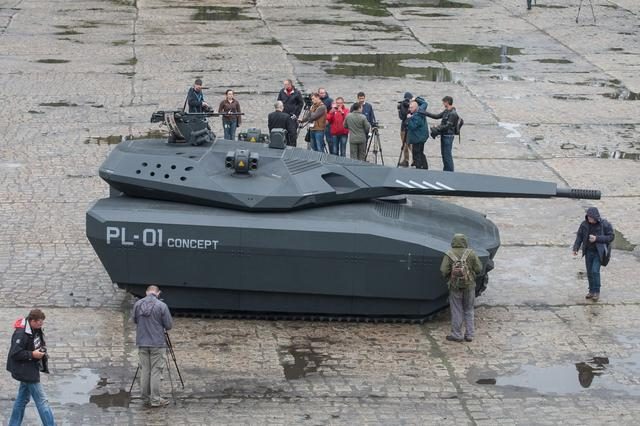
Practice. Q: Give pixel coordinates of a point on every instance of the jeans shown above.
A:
(25, 392)
(339, 145)
(592, 260)
(461, 306)
(229, 129)
(446, 147)
(317, 140)
(151, 364)
(327, 135)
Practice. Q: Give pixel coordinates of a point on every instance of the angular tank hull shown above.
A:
(373, 258)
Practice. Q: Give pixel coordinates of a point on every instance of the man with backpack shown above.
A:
(594, 236)
(460, 266)
(448, 128)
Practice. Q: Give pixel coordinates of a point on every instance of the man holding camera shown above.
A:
(152, 319)
(195, 98)
(446, 130)
(339, 135)
(318, 120)
(26, 359)
(403, 110)
(417, 131)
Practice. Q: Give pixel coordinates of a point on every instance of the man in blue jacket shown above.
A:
(26, 359)
(594, 236)
(418, 131)
(152, 319)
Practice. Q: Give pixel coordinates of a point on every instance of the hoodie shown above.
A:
(458, 246)
(152, 318)
(601, 229)
(20, 362)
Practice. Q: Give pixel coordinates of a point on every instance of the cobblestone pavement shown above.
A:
(542, 96)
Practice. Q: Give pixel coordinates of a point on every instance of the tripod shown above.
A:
(374, 141)
(171, 353)
(592, 12)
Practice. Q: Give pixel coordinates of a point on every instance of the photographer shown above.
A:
(446, 130)
(403, 110)
(418, 131)
(26, 359)
(291, 99)
(152, 319)
(339, 135)
(195, 98)
(318, 120)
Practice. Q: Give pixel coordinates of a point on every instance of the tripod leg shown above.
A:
(592, 12)
(579, 7)
(134, 378)
(379, 145)
(173, 356)
(173, 392)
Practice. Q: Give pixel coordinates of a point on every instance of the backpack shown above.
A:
(607, 254)
(460, 273)
(459, 125)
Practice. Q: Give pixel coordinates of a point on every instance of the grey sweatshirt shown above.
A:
(152, 318)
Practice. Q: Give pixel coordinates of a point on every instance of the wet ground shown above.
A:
(543, 97)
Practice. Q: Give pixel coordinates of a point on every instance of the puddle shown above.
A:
(432, 3)
(618, 155)
(571, 97)
(120, 399)
(623, 94)
(355, 25)
(425, 15)
(506, 77)
(218, 13)
(119, 42)
(116, 139)
(67, 33)
(78, 389)
(380, 65)
(598, 374)
(52, 61)
(209, 45)
(58, 104)
(554, 61)
(131, 62)
(549, 6)
(620, 242)
(369, 7)
(512, 128)
(300, 360)
(271, 42)
(483, 55)
(33, 111)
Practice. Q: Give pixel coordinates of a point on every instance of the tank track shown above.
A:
(272, 316)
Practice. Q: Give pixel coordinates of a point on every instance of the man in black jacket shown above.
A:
(594, 236)
(278, 119)
(446, 130)
(195, 98)
(403, 110)
(26, 359)
(291, 99)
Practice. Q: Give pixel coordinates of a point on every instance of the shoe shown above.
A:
(595, 297)
(468, 339)
(453, 339)
(589, 295)
(404, 163)
(161, 403)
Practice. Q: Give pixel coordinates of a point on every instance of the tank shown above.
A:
(238, 228)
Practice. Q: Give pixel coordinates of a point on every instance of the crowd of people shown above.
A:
(331, 125)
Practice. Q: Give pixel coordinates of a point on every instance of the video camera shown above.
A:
(307, 100)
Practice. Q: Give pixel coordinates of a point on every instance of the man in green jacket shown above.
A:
(460, 266)
(359, 128)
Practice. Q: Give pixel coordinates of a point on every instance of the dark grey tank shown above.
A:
(239, 227)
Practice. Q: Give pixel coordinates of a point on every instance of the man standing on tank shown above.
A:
(152, 319)
(593, 237)
(230, 122)
(195, 98)
(446, 130)
(278, 119)
(417, 132)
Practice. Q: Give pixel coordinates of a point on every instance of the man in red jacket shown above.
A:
(339, 135)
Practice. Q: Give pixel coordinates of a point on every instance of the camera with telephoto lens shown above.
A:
(375, 124)
(435, 131)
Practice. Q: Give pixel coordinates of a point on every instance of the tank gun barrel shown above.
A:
(159, 116)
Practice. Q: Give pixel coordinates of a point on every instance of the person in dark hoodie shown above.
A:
(403, 111)
(26, 359)
(593, 237)
(152, 319)
(462, 289)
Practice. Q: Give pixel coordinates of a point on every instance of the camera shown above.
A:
(435, 131)
(307, 100)
(375, 124)
(43, 350)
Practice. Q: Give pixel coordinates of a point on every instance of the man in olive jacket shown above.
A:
(462, 291)
(359, 128)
